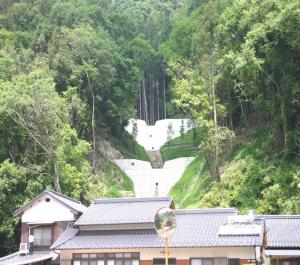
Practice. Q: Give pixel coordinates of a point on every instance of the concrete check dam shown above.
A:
(157, 177)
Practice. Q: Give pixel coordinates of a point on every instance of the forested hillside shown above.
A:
(235, 69)
(73, 72)
(71, 75)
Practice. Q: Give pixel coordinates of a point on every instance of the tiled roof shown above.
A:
(283, 231)
(67, 235)
(123, 211)
(17, 259)
(74, 205)
(195, 228)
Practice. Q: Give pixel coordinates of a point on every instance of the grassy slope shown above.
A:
(129, 147)
(191, 182)
(255, 176)
(110, 181)
(178, 147)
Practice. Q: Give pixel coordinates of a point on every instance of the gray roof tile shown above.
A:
(123, 211)
(195, 228)
(283, 231)
(67, 235)
(73, 204)
(17, 259)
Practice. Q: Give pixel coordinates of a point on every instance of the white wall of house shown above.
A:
(178, 253)
(47, 212)
(154, 137)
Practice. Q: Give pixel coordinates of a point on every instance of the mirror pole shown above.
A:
(166, 252)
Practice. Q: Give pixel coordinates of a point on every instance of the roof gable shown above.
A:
(123, 211)
(70, 203)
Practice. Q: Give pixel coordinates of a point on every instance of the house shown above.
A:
(121, 232)
(282, 240)
(43, 220)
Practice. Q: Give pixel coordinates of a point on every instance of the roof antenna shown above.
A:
(156, 189)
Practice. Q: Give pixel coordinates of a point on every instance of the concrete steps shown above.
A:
(156, 158)
(145, 177)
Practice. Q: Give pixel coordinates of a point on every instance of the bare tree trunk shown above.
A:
(216, 151)
(164, 86)
(230, 121)
(145, 101)
(151, 97)
(284, 116)
(140, 102)
(56, 175)
(157, 88)
(93, 116)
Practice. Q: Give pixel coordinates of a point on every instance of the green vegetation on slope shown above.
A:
(113, 183)
(191, 181)
(254, 177)
(129, 148)
(185, 145)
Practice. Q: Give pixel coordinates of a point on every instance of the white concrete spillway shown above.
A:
(145, 177)
(152, 138)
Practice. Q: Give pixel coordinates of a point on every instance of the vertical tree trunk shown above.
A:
(164, 87)
(93, 119)
(157, 89)
(282, 93)
(145, 101)
(56, 175)
(230, 121)
(216, 151)
(284, 118)
(140, 102)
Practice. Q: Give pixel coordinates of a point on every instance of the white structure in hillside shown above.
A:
(154, 137)
(150, 181)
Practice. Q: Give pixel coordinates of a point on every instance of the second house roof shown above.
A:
(123, 211)
(195, 228)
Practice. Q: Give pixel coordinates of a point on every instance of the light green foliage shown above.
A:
(256, 179)
(180, 41)
(16, 185)
(33, 105)
(72, 156)
(184, 188)
(194, 96)
(248, 51)
(110, 182)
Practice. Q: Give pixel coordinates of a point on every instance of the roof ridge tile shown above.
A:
(62, 195)
(132, 199)
(206, 211)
